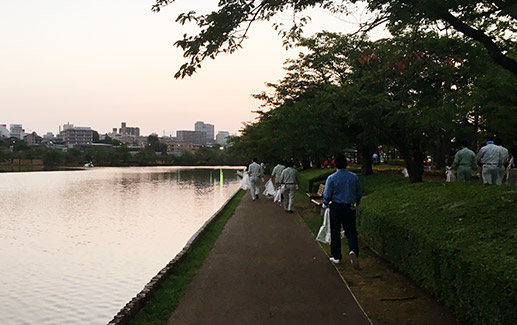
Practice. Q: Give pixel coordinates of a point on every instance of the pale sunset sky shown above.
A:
(98, 63)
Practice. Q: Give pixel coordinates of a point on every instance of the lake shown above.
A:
(76, 246)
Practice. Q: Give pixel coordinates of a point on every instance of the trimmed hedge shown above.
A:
(310, 177)
(459, 241)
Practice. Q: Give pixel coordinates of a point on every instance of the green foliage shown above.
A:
(52, 157)
(413, 93)
(154, 143)
(456, 240)
(492, 23)
(312, 176)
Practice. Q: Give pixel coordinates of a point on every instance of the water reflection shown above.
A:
(76, 246)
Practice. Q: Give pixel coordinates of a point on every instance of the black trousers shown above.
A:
(341, 215)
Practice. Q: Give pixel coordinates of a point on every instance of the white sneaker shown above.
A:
(335, 260)
(354, 260)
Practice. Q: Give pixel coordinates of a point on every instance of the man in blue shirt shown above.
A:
(343, 194)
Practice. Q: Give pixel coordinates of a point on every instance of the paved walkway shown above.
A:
(266, 267)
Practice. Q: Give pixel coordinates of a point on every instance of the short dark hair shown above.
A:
(290, 163)
(464, 143)
(340, 162)
(254, 159)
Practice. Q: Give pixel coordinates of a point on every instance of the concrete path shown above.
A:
(266, 267)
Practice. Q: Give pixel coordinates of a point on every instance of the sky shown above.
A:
(97, 63)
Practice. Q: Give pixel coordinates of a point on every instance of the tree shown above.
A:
(52, 157)
(490, 22)
(95, 136)
(154, 143)
(324, 69)
(413, 87)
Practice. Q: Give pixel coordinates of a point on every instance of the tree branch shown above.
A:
(493, 50)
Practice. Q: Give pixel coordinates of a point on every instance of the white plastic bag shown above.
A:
(450, 175)
(324, 232)
(269, 188)
(511, 164)
(245, 182)
(405, 173)
(278, 194)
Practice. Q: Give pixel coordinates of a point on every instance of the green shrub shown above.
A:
(309, 178)
(456, 240)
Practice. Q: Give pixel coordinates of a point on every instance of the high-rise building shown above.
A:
(222, 137)
(16, 131)
(75, 136)
(207, 128)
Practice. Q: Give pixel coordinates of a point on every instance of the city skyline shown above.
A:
(63, 126)
(99, 62)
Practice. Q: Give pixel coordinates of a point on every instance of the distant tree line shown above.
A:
(118, 155)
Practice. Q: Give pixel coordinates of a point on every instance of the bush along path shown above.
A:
(455, 240)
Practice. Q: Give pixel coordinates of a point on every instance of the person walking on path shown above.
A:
(342, 190)
(289, 178)
(464, 162)
(505, 155)
(256, 173)
(491, 159)
(276, 173)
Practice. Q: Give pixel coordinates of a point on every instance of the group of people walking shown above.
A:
(494, 161)
(284, 178)
(342, 196)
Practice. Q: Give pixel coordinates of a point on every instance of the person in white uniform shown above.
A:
(505, 156)
(277, 171)
(289, 178)
(255, 172)
(491, 159)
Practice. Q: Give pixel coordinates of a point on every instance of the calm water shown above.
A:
(76, 246)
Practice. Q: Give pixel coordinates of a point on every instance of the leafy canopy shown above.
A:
(492, 23)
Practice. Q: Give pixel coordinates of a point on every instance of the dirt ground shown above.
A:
(387, 296)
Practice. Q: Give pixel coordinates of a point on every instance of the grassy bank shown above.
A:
(166, 298)
(456, 240)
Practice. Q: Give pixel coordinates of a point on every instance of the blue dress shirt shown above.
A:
(342, 187)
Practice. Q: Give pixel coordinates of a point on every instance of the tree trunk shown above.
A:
(366, 161)
(441, 148)
(414, 165)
